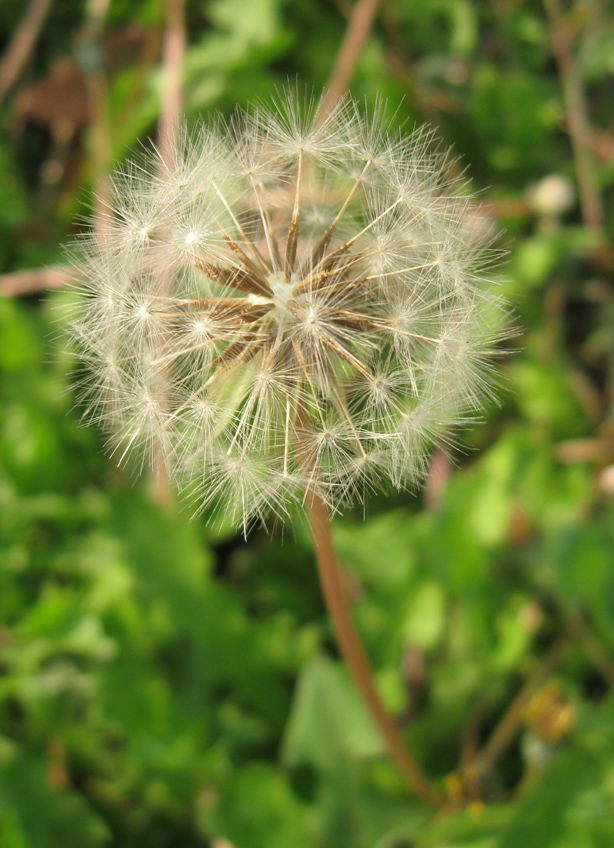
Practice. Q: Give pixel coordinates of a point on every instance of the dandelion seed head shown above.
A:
(292, 303)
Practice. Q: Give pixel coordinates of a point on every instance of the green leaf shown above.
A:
(38, 814)
(259, 810)
(328, 720)
(381, 549)
(426, 616)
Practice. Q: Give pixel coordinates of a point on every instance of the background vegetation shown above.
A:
(164, 686)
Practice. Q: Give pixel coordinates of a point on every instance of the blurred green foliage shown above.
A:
(164, 686)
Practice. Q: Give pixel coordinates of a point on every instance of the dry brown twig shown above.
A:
(475, 766)
(97, 95)
(360, 23)
(173, 49)
(577, 117)
(31, 281)
(507, 728)
(149, 57)
(23, 283)
(593, 647)
(22, 44)
(359, 27)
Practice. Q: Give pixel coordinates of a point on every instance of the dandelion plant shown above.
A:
(290, 311)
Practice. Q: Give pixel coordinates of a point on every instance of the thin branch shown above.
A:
(359, 27)
(173, 50)
(99, 135)
(355, 656)
(31, 282)
(469, 744)
(593, 647)
(507, 728)
(586, 450)
(577, 117)
(148, 58)
(22, 44)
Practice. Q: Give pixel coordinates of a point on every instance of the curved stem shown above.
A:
(354, 654)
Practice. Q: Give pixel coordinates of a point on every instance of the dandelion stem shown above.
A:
(354, 654)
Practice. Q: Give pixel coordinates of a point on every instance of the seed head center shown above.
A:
(282, 290)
